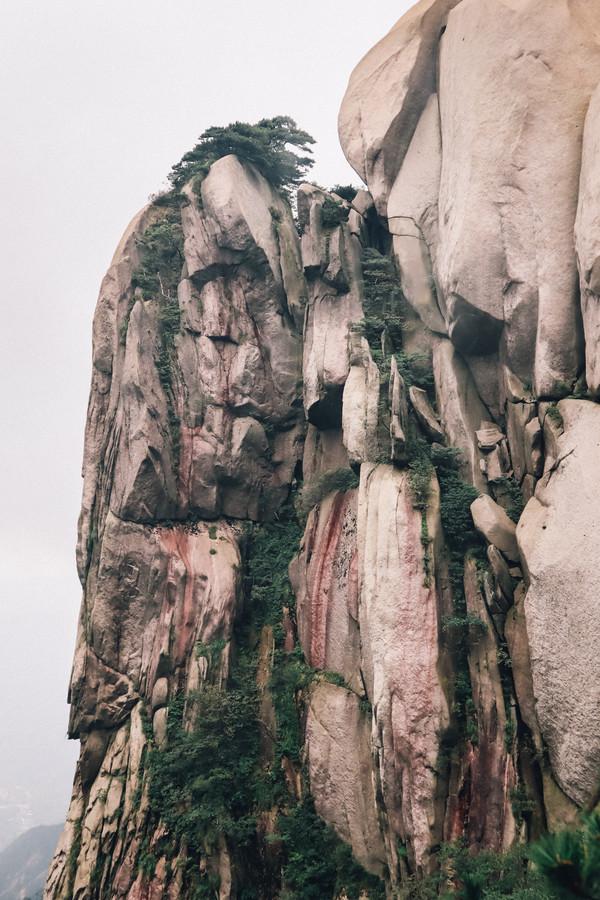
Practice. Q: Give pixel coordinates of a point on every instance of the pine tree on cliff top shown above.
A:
(266, 145)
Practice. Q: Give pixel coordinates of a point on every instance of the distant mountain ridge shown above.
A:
(24, 863)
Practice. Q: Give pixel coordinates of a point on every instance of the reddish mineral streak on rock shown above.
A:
(319, 607)
(481, 226)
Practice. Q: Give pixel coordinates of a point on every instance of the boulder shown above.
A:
(426, 417)
(386, 95)
(340, 766)
(488, 436)
(496, 527)
(558, 536)
(505, 259)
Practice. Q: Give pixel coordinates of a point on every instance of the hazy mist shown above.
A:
(99, 98)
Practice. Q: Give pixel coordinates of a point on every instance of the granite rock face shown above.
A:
(335, 472)
(561, 607)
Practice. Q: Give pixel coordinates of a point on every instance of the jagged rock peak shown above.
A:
(339, 513)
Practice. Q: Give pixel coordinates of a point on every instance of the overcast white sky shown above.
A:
(98, 99)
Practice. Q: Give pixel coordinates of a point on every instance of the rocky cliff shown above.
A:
(393, 393)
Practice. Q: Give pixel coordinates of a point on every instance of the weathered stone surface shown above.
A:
(460, 407)
(466, 122)
(426, 417)
(331, 258)
(553, 429)
(496, 465)
(114, 301)
(502, 577)
(325, 580)
(386, 95)
(342, 779)
(518, 416)
(399, 623)
(197, 444)
(518, 646)
(398, 406)
(488, 436)
(144, 486)
(506, 223)
(361, 214)
(558, 535)
(534, 448)
(412, 217)
(493, 777)
(360, 408)
(587, 237)
(324, 451)
(494, 524)
(155, 593)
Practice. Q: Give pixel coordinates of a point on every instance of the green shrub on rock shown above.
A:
(266, 145)
(332, 480)
(318, 865)
(333, 213)
(345, 191)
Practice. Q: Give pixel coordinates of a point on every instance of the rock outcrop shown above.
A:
(561, 607)
(340, 511)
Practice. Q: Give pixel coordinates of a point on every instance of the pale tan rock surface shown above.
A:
(360, 404)
(324, 451)
(506, 221)
(558, 535)
(409, 711)
(342, 779)
(175, 587)
(324, 576)
(387, 93)
(495, 525)
(425, 415)
(460, 408)
(412, 213)
(399, 622)
(331, 258)
(199, 446)
(493, 776)
(587, 237)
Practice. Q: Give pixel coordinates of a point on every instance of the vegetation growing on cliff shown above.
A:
(319, 865)
(266, 145)
(161, 258)
(157, 277)
(381, 300)
(314, 491)
(333, 213)
(213, 780)
(560, 866)
(203, 784)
